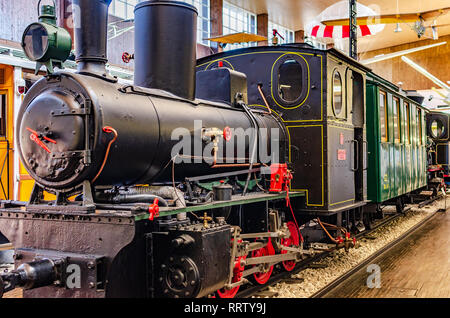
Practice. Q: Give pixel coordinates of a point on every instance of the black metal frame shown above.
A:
(353, 36)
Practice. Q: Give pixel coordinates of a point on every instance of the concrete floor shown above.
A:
(418, 267)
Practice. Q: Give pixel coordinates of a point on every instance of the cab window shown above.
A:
(437, 128)
(290, 82)
(337, 93)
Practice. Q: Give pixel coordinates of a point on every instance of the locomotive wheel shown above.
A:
(400, 205)
(293, 240)
(263, 277)
(237, 276)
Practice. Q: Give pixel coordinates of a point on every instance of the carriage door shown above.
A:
(360, 144)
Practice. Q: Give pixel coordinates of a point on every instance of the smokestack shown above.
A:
(165, 46)
(91, 29)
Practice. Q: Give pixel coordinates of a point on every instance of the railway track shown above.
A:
(254, 290)
(341, 279)
(282, 276)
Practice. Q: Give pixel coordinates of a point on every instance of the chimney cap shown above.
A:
(165, 2)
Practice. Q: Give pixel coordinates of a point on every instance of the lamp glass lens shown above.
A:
(35, 41)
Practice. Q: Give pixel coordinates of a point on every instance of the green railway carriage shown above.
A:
(397, 145)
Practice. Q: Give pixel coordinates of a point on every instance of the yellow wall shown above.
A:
(26, 182)
(6, 157)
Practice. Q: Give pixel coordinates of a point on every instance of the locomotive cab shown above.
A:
(439, 150)
(320, 97)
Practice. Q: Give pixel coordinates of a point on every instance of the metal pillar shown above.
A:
(353, 26)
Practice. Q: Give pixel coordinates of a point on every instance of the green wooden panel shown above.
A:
(395, 168)
(373, 143)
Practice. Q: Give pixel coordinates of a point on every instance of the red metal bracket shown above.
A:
(153, 210)
(280, 177)
(37, 139)
(127, 57)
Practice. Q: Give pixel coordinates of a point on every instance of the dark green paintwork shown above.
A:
(237, 200)
(395, 168)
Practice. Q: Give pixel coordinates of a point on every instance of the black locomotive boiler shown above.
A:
(112, 146)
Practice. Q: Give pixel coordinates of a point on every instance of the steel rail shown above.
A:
(341, 279)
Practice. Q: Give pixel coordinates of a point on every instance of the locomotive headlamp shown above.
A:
(46, 43)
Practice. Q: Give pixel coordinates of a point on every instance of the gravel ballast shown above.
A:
(340, 262)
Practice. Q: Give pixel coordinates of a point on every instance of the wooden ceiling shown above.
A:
(295, 14)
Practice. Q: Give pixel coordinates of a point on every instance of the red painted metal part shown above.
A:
(262, 278)
(127, 57)
(293, 240)
(39, 142)
(37, 139)
(153, 210)
(279, 177)
(44, 137)
(227, 134)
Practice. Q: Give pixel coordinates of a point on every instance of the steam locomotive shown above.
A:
(199, 178)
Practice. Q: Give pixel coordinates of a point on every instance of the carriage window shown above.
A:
(383, 117)
(408, 123)
(397, 123)
(419, 121)
(337, 93)
(437, 128)
(290, 84)
(2, 115)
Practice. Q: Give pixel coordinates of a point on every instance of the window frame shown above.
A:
(202, 18)
(386, 121)
(275, 82)
(420, 130)
(437, 121)
(127, 5)
(408, 123)
(247, 18)
(4, 114)
(397, 119)
(288, 34)
(343, 103)
(204, 15)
